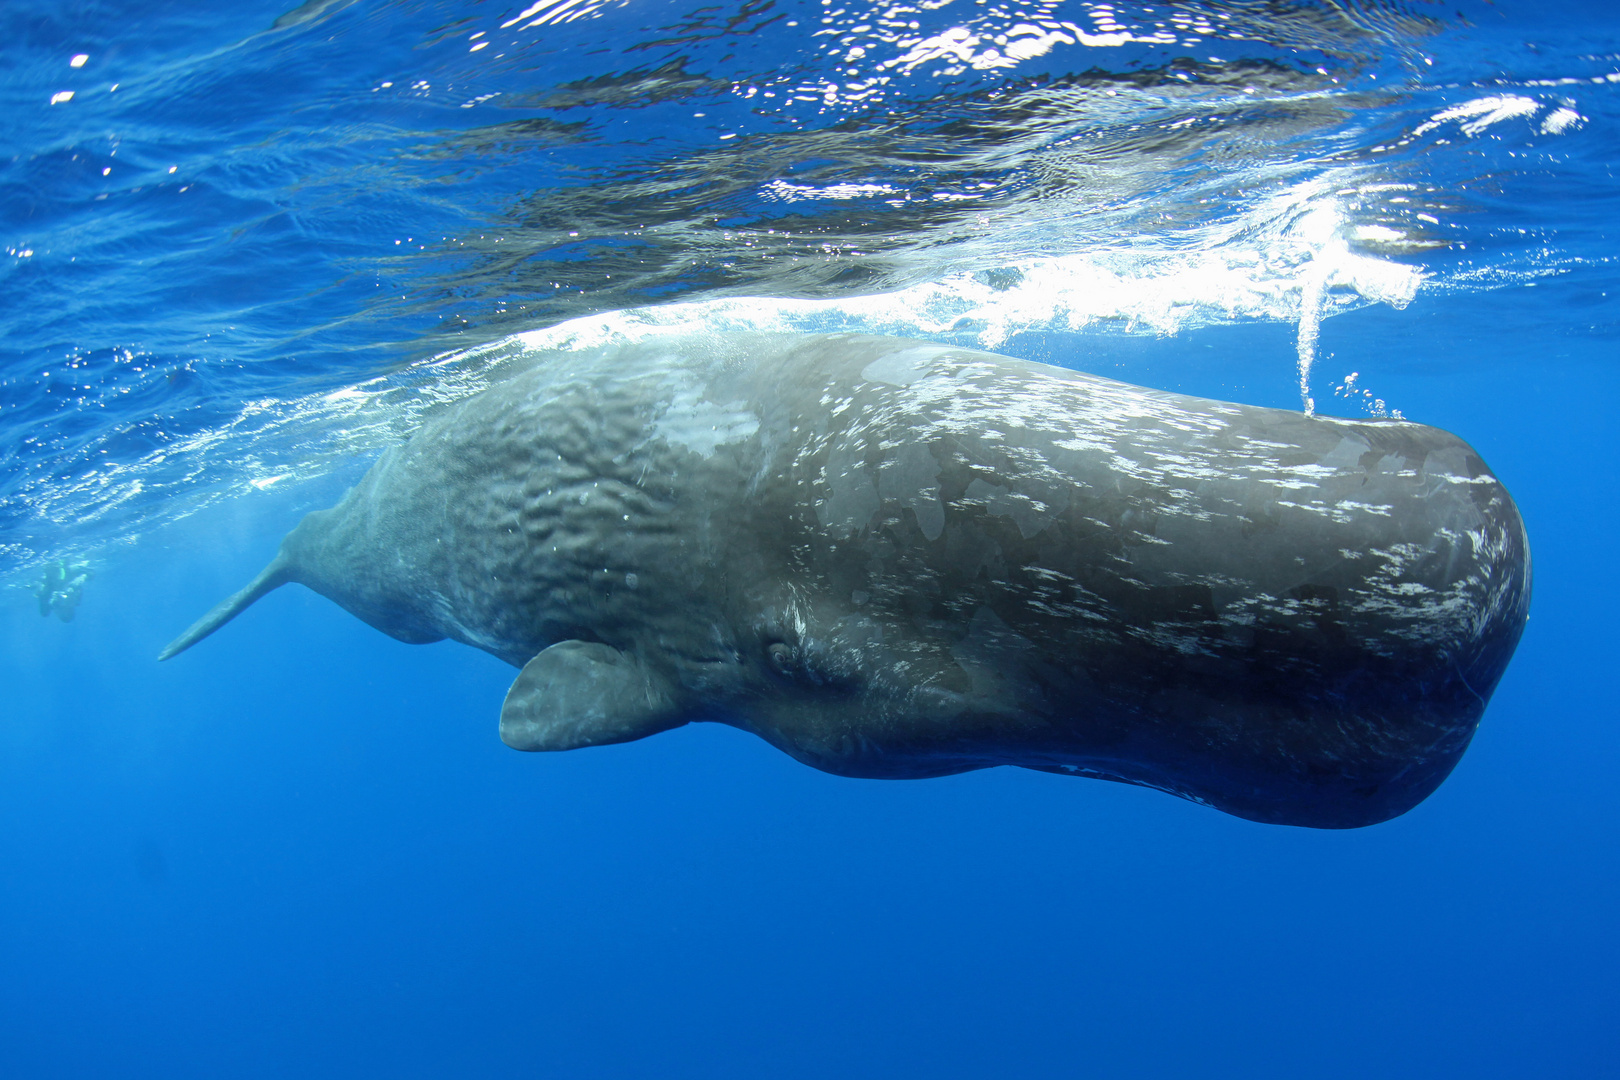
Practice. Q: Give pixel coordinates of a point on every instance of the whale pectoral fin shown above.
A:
(582, 693)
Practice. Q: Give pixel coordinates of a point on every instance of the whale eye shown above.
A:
(792, 661)
(780, 656)
(809, 666)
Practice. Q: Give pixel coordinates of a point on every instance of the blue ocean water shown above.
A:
(245, 248)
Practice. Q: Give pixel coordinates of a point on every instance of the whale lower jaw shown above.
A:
(1309, 792)
(1321, 803)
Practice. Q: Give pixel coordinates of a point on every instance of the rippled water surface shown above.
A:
(243, 248)
(229, 230)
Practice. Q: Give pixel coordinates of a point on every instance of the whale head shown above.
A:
(1295, 619)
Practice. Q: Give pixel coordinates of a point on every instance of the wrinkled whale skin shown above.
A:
(898, 559)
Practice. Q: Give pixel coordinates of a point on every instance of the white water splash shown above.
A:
(1326, 229)
(1313, 284)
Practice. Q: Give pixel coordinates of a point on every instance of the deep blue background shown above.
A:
(301, 848)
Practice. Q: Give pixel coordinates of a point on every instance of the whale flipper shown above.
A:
(583, 693)
(277, 574)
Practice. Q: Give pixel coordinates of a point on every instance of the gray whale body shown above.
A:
(898, 559)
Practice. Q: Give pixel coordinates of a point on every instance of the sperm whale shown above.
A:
(896, 559)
